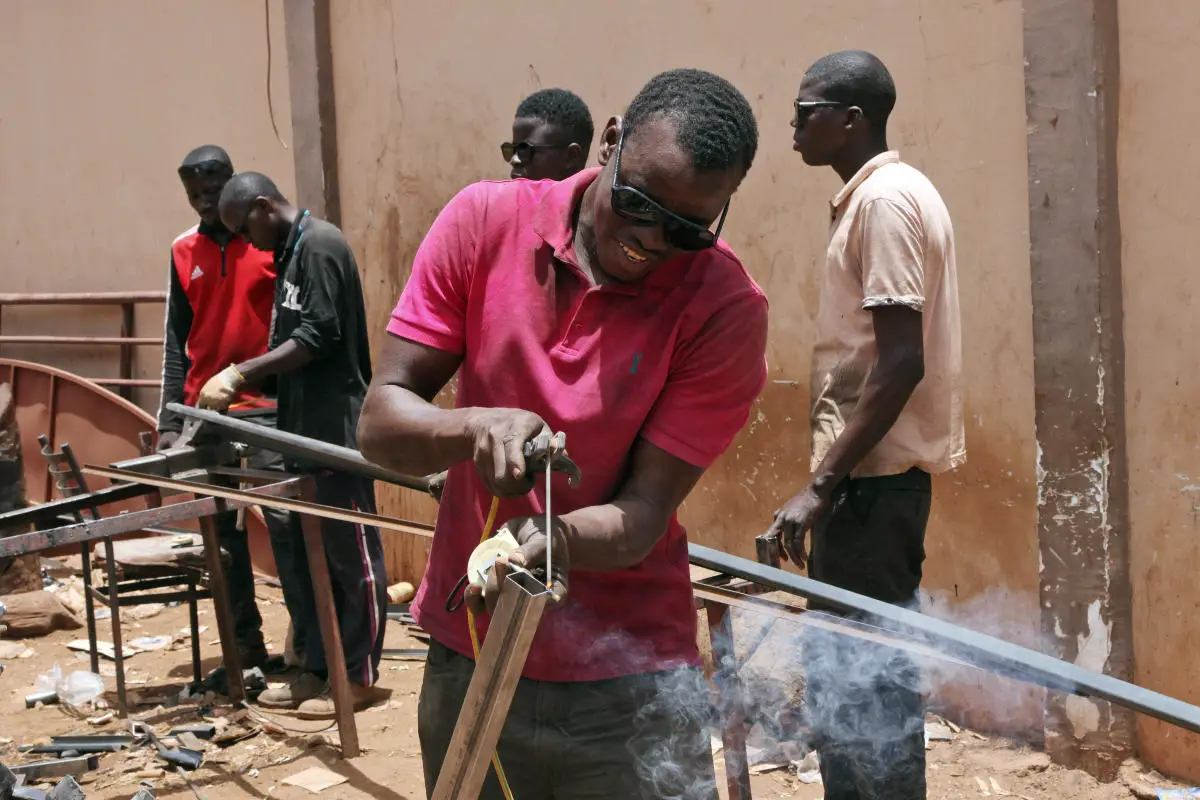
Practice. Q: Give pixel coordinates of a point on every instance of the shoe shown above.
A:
(363, 698)
(305, 687)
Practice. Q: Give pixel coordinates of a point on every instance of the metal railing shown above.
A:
(126, 341)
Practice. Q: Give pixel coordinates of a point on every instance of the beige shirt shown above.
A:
(891, 243)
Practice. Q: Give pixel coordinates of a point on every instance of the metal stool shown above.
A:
(69, 481)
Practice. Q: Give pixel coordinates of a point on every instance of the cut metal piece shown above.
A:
(252, 497)
(57, 767)
(489, 696)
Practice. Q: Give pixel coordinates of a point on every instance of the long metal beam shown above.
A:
(299, 447)
(136, 520)
(980, 650)
(251, 497)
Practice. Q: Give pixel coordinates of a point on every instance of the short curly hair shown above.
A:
(713, 120)
(562, 108)
(857, 78)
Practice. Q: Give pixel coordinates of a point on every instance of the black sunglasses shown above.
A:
(803, 109)
(631, 204)
(525, 150)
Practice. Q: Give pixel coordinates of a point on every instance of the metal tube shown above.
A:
(979, 650)
(299, 447)
(490, 693)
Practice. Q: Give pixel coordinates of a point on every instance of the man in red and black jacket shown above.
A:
(219, 306)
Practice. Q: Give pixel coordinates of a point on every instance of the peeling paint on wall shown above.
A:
(1095, 646)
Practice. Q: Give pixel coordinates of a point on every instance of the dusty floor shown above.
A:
(969, 766)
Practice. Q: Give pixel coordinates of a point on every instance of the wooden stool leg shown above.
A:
(733, 717)
(114, 606)
(194, 621)
(331, 634)
(89, 604)
(220, 598)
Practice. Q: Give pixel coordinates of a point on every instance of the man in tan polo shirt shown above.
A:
(886, 413)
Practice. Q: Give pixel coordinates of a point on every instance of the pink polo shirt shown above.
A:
(677, 359)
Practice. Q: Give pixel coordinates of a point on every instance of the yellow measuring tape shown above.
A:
(487, 531)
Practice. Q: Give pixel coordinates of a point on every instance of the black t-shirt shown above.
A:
(319, 303)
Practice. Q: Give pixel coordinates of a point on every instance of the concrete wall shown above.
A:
(100, 103)
(1158, 164)
(425, 93)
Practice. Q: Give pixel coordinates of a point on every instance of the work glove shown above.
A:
(530, 533)
(220, 389)
(166, 439)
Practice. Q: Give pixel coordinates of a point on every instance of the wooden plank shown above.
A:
(489, 696)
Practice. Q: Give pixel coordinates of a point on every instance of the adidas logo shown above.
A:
(197, 272)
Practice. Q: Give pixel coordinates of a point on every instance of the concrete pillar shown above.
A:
(314, 122)
(1071, 85)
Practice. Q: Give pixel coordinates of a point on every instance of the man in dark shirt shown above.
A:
(322, 365)
(219, 302)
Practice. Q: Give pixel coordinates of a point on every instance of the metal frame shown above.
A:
(493, 684)
(979, 650)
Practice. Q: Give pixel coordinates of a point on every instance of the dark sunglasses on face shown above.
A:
(525, 150)
(803, 109)
(631, 204)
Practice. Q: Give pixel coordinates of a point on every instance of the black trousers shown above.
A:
(239, 575)
(864, 701)
(356, 570)
(641, 737)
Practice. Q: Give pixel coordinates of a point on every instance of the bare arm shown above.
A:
(289, 356)
(402, 429)
(621, 533)
(899, 367)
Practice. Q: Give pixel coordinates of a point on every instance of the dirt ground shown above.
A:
(968, 766)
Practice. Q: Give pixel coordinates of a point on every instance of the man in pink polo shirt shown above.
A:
(606, 307)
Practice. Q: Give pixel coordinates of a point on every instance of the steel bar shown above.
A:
(733, 712)
(299, 447)
(22, 543)
(331, 634)
(124, 341)
(490, 693)
(220, 597)
(81, 298)
(979, 650)
(252, 497)
(815, 619)
(49, 512)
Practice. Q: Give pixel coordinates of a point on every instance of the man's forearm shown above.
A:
(402, 431)
(886, 392)
(616, 535)
(289, 356)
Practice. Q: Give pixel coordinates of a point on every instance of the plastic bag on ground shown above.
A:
(75, 689)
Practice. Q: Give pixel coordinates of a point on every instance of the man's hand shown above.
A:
(437, 482)
(220, 390)
(166, 440)
(530, 533)
(498, 437)
(793, 521)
